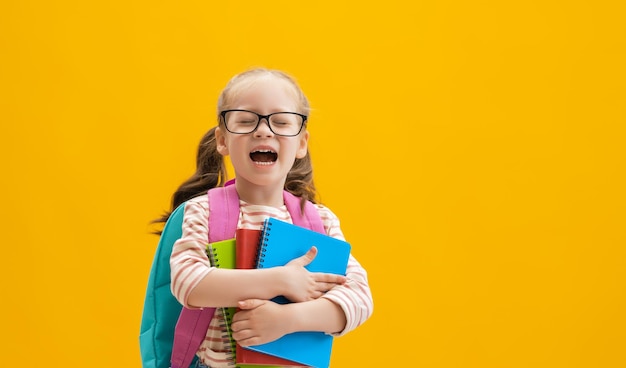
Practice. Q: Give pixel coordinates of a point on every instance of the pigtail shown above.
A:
(300, 180)
(210, 173)
(210, 168)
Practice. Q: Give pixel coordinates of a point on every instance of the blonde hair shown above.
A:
(210, 168)
(248, 78)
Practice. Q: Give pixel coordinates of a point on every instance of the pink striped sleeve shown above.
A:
(189, 262)
(354, 297)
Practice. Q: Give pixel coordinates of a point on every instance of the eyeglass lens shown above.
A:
(243, 122)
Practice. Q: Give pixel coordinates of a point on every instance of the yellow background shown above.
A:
(474, 151)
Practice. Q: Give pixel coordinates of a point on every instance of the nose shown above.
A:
(263, 129)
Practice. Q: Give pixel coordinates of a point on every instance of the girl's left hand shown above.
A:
(259, 322)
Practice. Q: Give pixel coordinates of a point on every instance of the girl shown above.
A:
(262, 116)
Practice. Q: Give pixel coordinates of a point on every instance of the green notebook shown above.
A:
(222, 255)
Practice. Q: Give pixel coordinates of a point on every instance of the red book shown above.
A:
(246, 250)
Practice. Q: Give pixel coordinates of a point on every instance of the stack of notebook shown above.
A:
(275, 245)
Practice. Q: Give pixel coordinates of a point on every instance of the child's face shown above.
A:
(262, 158)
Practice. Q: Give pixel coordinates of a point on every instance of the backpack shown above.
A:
(170, 335)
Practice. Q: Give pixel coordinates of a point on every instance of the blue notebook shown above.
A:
(280, 243)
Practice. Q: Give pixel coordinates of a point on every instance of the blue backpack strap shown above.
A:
(161, 309)
(193, 324)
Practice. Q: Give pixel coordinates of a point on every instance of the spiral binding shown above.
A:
(227, 336)
(227, 312)
(213, 256)
(264, 237)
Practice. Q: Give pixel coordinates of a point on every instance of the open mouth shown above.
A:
(264, 156)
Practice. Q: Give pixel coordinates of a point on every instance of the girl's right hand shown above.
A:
(303, 285)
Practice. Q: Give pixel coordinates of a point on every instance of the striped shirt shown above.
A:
(190, 264)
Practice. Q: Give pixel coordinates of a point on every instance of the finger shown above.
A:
(242, 335)
(240, 316)
(318, 294)
(307, 258)
(250, 303)
(248, 341)
(326, 286)
(330, 278)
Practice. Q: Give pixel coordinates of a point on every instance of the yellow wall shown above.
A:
(473, 150)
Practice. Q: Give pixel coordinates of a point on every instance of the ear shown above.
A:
(220, 142)
(304, 144)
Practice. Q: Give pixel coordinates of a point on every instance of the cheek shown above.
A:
(236, 147)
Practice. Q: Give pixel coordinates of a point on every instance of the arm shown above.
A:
(224, 287)
(343, 308)
(262, 321)
(340, 310)
(354, 297)
(195, 283)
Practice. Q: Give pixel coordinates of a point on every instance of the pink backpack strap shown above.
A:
(309, 218)
(193, 324)
(223, 217)
(223, 212)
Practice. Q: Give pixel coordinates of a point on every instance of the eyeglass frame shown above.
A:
(267, 119)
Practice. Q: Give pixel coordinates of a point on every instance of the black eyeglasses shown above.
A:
(287, 124)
